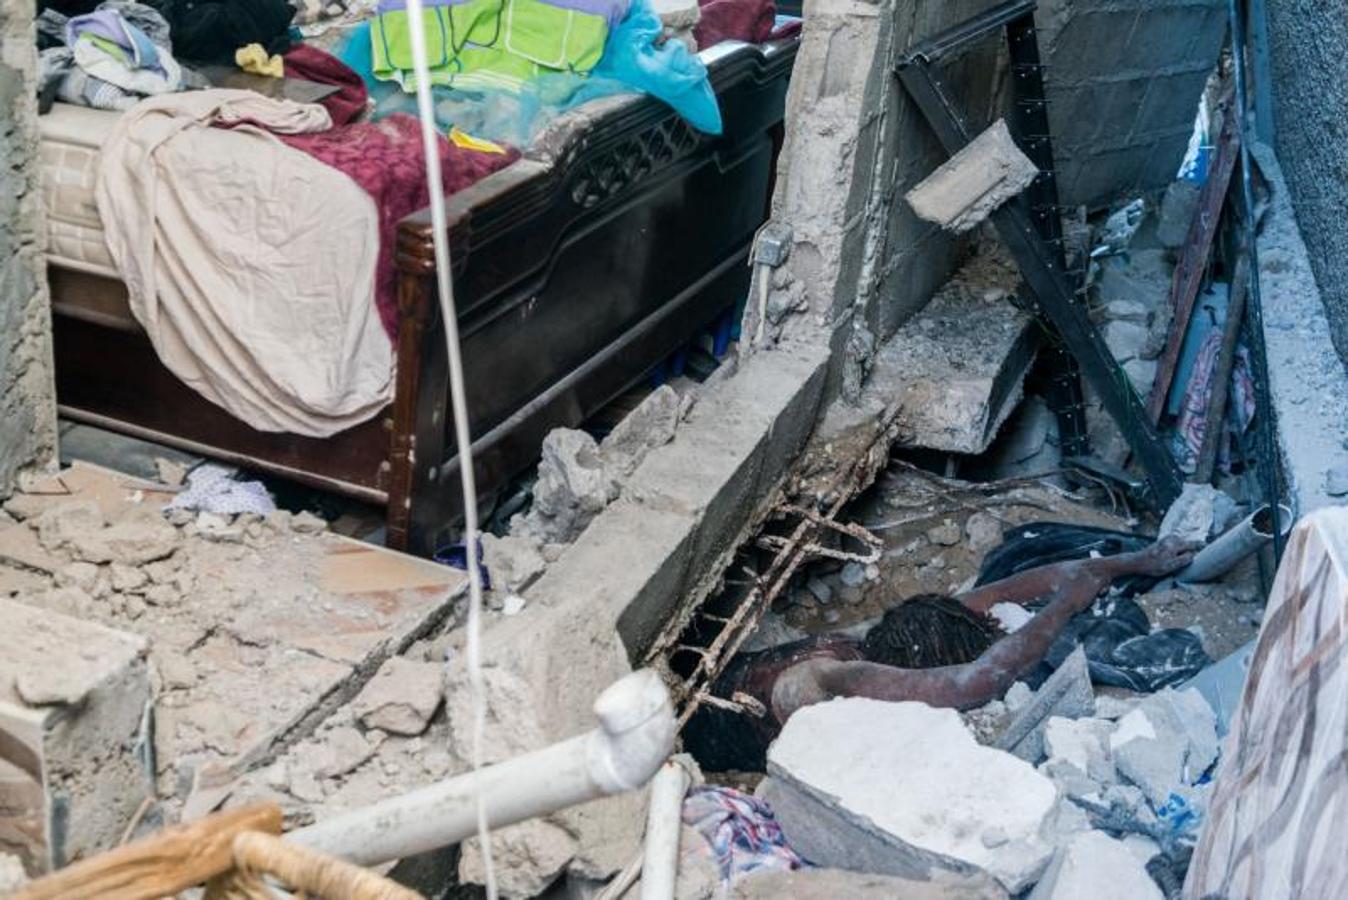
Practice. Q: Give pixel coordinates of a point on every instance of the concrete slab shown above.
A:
(1095, 865)
(904, 789)
(75, 754)
(974, 182)
(958, 367)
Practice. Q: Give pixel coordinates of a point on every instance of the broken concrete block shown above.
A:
(74, 724)
(1166, 743)
(338, 751)
(837, 884)
(1081, 743)
(12, 875)
(572, 488)
(19, 544)
(904, 789)
(1095, 865)
(1151, 759)
(306, 522)
(973, 183)
(1199, 514)
(956, 370)
(1067, 694)
(401, 697)
(528, 858)
(61, 524)
(1018, 696)
(982, 531)
(138, 538)
(513, 561)
(1177, 212)
(650, 425)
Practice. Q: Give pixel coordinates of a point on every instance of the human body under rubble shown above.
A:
(940, 650)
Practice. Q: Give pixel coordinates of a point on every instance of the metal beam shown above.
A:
(1055, 293)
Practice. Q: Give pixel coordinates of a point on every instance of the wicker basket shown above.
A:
(237, 855)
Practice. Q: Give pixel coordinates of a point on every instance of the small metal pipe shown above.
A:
(1246, 537)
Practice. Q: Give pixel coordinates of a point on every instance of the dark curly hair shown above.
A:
(927, 631)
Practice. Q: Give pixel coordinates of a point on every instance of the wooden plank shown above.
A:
(159, 866)
(1193, 260)
(1214, 427)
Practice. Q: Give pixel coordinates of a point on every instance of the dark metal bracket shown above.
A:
(1031, 230)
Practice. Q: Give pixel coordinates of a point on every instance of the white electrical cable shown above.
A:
(439, 226)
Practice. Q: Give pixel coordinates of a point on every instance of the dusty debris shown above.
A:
(904, 789)
(650, 425)
(837, 884)
(1097, 866)
(973, 183)
(170, 472)
(572, 488)
(401, 697)
(514, 561)
(529, 857)
(956, 369)
(1066, 694)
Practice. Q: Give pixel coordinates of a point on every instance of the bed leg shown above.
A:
(414, 315)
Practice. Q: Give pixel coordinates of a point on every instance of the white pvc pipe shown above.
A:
(1242, 539)
(664, 822)
(635, 736)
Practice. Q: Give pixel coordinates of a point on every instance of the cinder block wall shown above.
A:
(1309, 49)
(27, 392)
(1123, 82)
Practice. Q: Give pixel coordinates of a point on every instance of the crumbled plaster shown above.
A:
(27, 388)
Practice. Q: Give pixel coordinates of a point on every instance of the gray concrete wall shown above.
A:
(861, 262)
(1309, 40)
(1123, 81)
(27, 393)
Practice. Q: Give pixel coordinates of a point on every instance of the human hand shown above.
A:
(1167, 556)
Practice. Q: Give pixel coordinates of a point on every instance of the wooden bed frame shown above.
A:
(573, 277)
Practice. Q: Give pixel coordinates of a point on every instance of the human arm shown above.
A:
(1094, 575)
(1072, 587)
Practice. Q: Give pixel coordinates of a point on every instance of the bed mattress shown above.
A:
(70, 140)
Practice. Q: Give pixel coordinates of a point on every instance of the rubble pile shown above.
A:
(258, 628)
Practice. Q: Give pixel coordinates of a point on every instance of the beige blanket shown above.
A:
(250, 264)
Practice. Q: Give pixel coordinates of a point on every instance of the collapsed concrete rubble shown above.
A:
(239, 636)
(904, 789)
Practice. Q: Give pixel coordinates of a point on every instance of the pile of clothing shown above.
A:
(115, 53)
(111, 58)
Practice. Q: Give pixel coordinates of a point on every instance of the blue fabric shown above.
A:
(632, 62)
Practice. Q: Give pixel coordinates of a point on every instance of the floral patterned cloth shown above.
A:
(741, 832)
